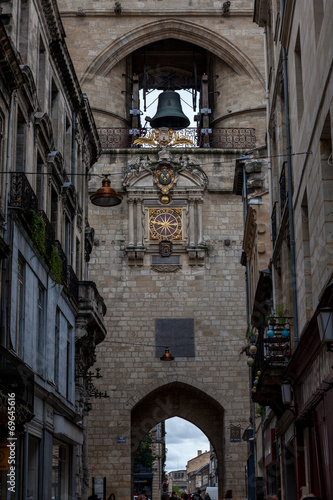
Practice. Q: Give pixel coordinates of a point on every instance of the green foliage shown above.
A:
(37, 228)
(260, 411)
(249, 333)
(281, 310)
(144, 457)
(55, 264)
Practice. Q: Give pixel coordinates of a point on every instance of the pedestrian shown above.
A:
(184, 496)
(197, 495)
(164, 496)
(206, 497)
(112, 497)
(228, 494)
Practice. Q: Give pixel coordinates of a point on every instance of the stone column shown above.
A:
(130, 202)
(199, 205)
(191, 232)
(139, 222)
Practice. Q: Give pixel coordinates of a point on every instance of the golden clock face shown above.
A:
(165, 224)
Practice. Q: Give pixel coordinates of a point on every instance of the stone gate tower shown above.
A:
(167, 260)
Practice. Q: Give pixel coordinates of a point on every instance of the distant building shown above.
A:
(198, 471)
(177, 478)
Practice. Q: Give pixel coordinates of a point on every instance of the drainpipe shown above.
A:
(73, 167)
(5, 225)
(290, 189)
(269, 164)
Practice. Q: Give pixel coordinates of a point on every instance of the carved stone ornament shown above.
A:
(165, 248)
(180, 163)
(166, 268)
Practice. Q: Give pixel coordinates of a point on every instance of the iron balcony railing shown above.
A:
(21, 193)
(222, 138)
(273, 349)
(73, 283)
(49, 230)
(64, 270)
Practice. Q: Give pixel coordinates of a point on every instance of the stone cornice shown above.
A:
(82, 12)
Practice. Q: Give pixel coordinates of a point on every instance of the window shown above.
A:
(299, 78)
(68, 239)
(33, 468)
(41, 73)
(318, 16)
(56, 347)
(40, 328)
(40, 183)
(21, 132)
(60, 471)
(20, 307)
(78, 260)
(24, 31)
(55, 101)
(69, 363)
(54, 209)
(67, 144)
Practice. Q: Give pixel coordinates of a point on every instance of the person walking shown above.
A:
(197, 495)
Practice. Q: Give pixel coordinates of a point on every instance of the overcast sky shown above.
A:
(182, 440)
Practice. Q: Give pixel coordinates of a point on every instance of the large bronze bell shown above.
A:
(169, 112)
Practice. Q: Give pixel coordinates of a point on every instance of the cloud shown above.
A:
(182, 440)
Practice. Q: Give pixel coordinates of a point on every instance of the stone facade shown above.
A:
(51, 316)
(200, 286)
(299, 279)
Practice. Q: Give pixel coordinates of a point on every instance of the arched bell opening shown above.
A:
(179, 400)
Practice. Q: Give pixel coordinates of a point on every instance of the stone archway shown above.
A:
(180, 30)
(179, 399)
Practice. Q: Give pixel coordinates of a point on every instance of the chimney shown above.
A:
(199, 452)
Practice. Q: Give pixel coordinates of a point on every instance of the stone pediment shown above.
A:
(140, 173)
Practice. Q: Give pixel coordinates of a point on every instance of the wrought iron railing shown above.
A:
(273, 345)
(62, 255)
(21, 193)
(49, 231)
(222, 138)
(274, 223)
(283, 189)
(73, 283)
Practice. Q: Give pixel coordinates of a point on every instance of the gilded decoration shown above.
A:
(165, 224)
(163, 137)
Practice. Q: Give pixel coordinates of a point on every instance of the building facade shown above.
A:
(51, 315)
(291, 295)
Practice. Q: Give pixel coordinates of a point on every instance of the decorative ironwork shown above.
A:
(222, 138)
(274, 224)
(73, 283)
(64, 271)
(49, 230)
(283, 189)
(163, 137)
(21, 193)
(273, 352)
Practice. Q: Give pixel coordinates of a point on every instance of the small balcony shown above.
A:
(21, 193)
(271, 359)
